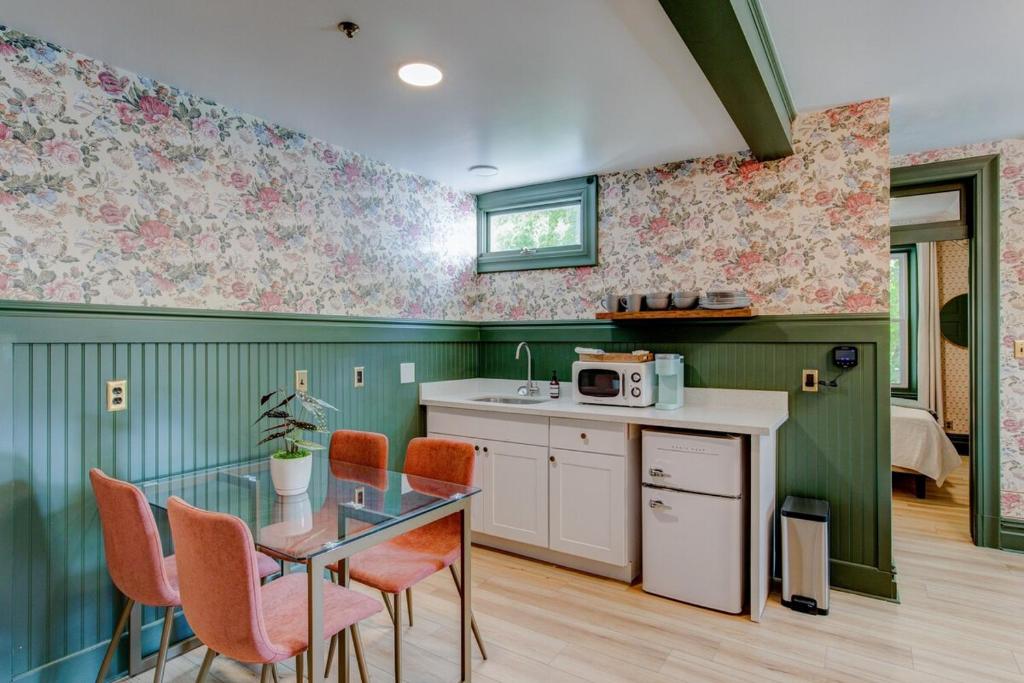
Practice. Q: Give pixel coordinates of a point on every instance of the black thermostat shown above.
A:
(845, 357)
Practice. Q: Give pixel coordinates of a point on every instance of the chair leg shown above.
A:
(165, 639)
(300, 659)
(205, 668)
(264, 674)
(357, 645)
(398, 639)
(408, 601)
(115, 637)
(330, 655)
(472, 618)
(387, 605)
(273, 673)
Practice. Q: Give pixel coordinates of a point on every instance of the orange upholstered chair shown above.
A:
(402, 562)
(136, 562)
(368, 449)
(231, 612)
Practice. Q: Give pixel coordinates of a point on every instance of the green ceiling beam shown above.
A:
(730, 41)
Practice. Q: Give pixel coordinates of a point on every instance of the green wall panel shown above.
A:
(193, 377)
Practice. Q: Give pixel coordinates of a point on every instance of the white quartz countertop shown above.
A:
(739, 411)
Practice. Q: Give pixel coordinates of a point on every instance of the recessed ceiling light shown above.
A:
(483, 170)
(419, 74)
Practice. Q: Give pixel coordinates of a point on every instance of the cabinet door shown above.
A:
(516, 506)
(479, 477)
(588, 505)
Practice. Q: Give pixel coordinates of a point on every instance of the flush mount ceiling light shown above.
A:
(420, 74)
(483, 170)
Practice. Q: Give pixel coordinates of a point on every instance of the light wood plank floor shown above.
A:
(961, 619)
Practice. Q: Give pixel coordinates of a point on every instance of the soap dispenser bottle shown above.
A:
(554, 390)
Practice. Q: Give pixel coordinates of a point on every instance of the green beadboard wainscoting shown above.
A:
(193, 378)
(835, 445)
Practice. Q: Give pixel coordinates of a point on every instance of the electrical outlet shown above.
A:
(1018, 349)
(117, 395)
(302, 381)
(810, 381)
(407, 371)
(357, 377)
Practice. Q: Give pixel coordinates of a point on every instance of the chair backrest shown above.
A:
(368, 449)
(135, 556)
(441, 459)
(219, 582)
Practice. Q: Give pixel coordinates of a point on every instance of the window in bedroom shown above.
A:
(903, 321)
(552, 225)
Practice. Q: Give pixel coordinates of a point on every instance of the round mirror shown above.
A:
(953, 320)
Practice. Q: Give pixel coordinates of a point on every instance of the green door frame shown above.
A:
(981, 177)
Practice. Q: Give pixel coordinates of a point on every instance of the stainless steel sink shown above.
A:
(511, 400)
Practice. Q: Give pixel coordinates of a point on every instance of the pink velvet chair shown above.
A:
(402, 562)
(136, 562)
(228, 608)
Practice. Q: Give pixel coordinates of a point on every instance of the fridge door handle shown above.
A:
(656, 504)
(657, 472)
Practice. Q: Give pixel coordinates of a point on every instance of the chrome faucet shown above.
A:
(529, 388)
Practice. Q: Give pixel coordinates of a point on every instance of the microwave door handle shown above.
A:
(622, 384)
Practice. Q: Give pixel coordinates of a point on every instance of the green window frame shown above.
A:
(574, 191)
(910, 390)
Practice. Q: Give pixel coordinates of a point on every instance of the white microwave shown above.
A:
(613, 384)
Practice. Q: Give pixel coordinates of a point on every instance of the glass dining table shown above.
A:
(347, 508)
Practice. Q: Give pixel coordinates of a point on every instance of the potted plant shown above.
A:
(291, 465)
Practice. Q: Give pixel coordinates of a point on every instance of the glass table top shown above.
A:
(343, 502)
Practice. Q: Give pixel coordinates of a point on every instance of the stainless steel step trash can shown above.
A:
(805, 554)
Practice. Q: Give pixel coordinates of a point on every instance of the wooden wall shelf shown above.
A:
(691, 314)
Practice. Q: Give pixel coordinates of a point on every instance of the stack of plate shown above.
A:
(724, 299)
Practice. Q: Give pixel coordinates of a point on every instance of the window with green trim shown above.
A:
(552, 225)
(903, 321)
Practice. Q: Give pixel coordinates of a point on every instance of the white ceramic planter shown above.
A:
(291, 475)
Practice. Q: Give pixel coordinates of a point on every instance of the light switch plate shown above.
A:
(302, 381)
(407, 372)
(1018, 348)
(809, 380)
(117, 395)
(358, 376)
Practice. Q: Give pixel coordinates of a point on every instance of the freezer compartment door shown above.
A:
(693, 462)
(695, 548)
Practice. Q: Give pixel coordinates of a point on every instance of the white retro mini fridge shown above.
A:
(695, 518)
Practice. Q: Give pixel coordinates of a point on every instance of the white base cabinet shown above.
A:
(573, 494)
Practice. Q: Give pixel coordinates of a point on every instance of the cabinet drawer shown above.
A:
(589, 435)
(476, 424)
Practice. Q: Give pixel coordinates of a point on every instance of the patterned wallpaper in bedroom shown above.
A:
(1011, 314)
(117, 189)
(956, 375)
(806, 234)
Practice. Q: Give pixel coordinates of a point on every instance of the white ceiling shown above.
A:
(543, 89)
(954, 69)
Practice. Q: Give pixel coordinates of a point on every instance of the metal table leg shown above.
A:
(467, 588)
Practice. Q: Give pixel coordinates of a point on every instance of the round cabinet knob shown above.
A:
(635, 377)
(551, 458)
(476, 448)
(636, 392)
(485, 449)
(583, 435)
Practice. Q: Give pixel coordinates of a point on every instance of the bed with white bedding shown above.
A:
(920, 446)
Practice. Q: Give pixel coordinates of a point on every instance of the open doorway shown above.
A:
(943, 347)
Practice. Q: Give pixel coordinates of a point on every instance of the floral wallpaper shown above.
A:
(805, 234)
(116, 189)
(1011, 313)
